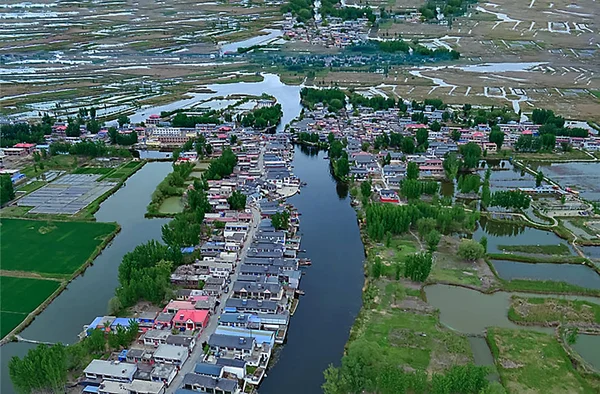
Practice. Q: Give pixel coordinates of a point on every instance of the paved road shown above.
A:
(212, 324)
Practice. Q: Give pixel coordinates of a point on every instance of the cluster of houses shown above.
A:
(237, 298)
(335, 33)
(366, 124)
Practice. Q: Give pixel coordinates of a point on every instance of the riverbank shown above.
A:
(86, 296)
(386, 294)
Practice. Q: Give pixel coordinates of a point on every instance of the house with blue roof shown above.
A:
(206, 369)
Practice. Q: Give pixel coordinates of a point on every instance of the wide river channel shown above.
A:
(87, 296)
(318, 330)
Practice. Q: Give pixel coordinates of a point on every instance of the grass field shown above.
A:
(532, 362)
(415, 340)
(20, 296)
(46, 247)
(123, 172)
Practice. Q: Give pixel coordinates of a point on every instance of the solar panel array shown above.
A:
(67, 195)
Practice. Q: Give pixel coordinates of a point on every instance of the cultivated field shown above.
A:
(20, 296)
(116, 55)
(50, 248)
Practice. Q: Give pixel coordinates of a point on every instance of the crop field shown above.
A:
(49, 248)
(103, 54)
(20, 296)
(521, 54)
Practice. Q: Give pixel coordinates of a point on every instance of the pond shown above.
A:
(482, 355)
(172, 204)
(471, 312)
(506, 233)
(583, 177)
(574, 274)
(507, 176)
(588, 347)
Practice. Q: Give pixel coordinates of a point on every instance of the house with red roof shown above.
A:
(191, 319)
(27, 147)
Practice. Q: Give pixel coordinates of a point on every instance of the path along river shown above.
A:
(87, 296)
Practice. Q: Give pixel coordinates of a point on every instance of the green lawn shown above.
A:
(48, 247)
(123, 172)
(533, 362)
(20, 296)
(93, 170)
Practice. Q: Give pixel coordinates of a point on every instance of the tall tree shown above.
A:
(7, 192)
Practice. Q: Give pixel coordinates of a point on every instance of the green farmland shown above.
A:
(20, 296)
(50, 248)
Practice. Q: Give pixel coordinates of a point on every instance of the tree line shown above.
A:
(183, 120)
(87, 148)
(364, 369)
(263, 117)
(398, 219)
(333, 98)
(510, 199)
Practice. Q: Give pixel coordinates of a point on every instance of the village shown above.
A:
(366, 132)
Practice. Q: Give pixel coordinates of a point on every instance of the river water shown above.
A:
(320, 327)
(287, 95)
(87, 296)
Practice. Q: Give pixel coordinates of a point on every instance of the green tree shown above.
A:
(281, 220)
(113, 134)
(365, 190)
(7, 191)
(471, 153)
(455, 135)
(497, 137)
(43, 369)
(408, 146)
(483, 241)
(123, 120)
(470, 250)
(342, 167)
(436, 126)
(422, 136)
(237, 201)
(539, 178)
(418, 266)
(412, 171)
(433, 240)
(114, 306)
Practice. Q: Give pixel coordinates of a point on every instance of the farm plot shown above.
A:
(67, 195)
(45, 247)
(20, 296)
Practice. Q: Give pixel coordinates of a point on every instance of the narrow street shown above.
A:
(214, 319)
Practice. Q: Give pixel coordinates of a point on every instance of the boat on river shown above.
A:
(304, 262)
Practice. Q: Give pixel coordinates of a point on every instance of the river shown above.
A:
(87, 296)
(320, 327)
(287, 95)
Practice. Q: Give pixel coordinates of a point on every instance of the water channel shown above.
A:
(320, 327)
(87, 296)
